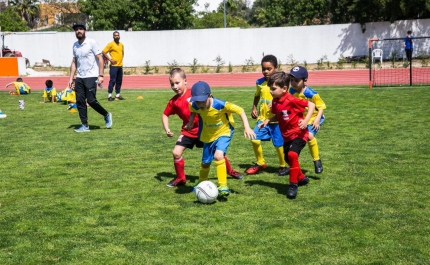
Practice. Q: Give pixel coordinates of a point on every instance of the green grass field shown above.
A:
(101, 197)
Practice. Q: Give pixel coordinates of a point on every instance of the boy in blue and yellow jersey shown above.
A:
(299, 89)
(216, 128)
(21, 88)
(49, 92)
(269, 65)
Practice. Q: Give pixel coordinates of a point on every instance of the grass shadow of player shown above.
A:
(181, 189)
(281, 188)
(77, 126)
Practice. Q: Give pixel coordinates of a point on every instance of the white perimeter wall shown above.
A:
(234, 45)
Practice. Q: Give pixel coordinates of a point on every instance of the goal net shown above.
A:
(389, 64)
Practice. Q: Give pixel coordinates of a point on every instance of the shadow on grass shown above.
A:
(182, 189)
(281, 188)
(76, 126)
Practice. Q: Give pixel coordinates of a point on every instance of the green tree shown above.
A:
(11, 21)
(139, 14)
(205, 20)
(28, 10)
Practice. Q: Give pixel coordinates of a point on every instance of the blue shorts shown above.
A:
(271, 131)
(314, 132)
(222, 144)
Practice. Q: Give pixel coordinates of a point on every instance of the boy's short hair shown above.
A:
(179, 71)
(19, 79)
(299, 72)
(280, 79)
(409, 31)
(271, 59)
(49, 83)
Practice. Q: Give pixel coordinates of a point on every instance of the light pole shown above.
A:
(225, 22)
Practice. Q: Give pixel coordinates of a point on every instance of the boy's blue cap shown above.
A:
(299, 72)
(200, 91)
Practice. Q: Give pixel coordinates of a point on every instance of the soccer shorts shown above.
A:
(313, 131)
(189, 142)
(270, 131)
(295, 145)
(222, 144)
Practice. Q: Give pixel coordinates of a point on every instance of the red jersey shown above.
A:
(179, 105)
(289, 111)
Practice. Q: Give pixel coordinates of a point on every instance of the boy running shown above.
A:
(299, 89)
(189, 138)
(216, 128)
(269, 65)
(288, 112)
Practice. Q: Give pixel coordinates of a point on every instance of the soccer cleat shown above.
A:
(292, 191)
(176, 182)
(223, 191)
(110, 99)
(283, 171)
(234, 174)
(108, 120)
(255, 168)
(304, 181)
(119, 98)
(83, 128)
(318, 166)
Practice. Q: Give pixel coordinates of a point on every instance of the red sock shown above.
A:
(179, 168)
(227, 165)
(293, 161)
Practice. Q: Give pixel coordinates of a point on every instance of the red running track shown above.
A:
(316, 78)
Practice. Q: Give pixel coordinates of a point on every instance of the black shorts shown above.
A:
(295, 145)
(189, 142)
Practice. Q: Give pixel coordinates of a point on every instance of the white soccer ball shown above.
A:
(206, 192)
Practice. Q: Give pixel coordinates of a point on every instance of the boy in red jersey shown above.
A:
(288, 112)
(189, 138)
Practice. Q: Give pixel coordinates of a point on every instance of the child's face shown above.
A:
(178, 84)
(297, 83)
(267, 69)
(203, 105)
(277, 91)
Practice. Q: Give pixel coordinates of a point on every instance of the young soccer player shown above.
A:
(269, 65)
(299, 89)
(189, 138)
(21, 88)
(49, 92)
(216, 128)
(288, 112)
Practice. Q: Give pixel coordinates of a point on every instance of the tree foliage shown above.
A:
(28, 10)
(139, 14)
(11, 21)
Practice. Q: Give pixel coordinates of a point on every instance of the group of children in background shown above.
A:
(50, 94)
(288, 116)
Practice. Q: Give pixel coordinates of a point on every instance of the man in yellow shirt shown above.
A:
(115, 49)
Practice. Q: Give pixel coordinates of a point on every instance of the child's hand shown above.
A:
(316, 125)
(42, 102)
(263, 124)
(249, 133)
(302, 124)
(254, 113)
(169, 134)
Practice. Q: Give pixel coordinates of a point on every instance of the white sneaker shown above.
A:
(83, 128)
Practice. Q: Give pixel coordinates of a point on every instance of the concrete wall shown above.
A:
(234, 45)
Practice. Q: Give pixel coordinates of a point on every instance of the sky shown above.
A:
(213, 4)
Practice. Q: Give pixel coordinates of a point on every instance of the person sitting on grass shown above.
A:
(21, 88)
(49, 92)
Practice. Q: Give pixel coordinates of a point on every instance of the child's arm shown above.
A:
(44, 100)
(248, 132)
(190, 123)
(265, 122)
(8, 84)
(254, 113)
(165, 120)
(304, 123)
(316, 123)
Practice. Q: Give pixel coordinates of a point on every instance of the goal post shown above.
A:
(389, 65)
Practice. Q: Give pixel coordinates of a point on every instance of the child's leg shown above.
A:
(178, 162)
(230, 171)
(313, 148)
(258, 151)
(204, 172)
(221, 172)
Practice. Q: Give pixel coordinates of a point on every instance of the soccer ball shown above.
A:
(206, 192)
